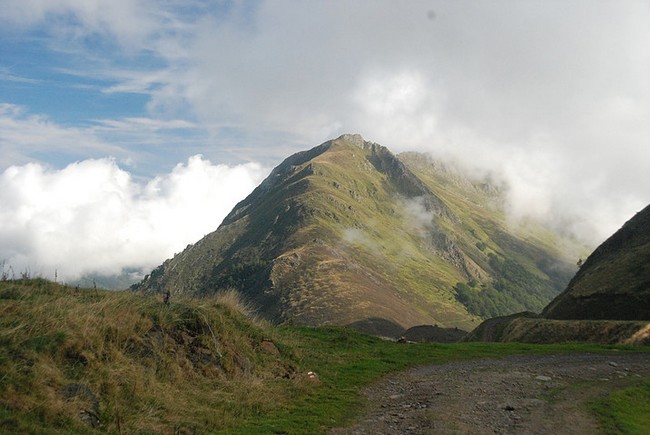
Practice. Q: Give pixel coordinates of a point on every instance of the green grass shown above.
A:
(198, 365)
(347, 361)
(626, 411)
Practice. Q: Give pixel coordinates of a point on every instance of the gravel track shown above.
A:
(526, 394)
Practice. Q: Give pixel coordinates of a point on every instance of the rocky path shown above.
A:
(514, 395)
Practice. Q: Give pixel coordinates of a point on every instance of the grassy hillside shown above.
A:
(607, 301)
(79, 360)
(511, 268)
(72, 359)
(531, 328)
(614, 282)
(348, 232)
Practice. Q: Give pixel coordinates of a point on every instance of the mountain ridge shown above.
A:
(348, 231)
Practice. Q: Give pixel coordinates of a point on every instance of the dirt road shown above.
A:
(514, 395)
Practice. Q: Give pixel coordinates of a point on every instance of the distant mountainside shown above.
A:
(347, 232)
(607, 301)
(614, 282)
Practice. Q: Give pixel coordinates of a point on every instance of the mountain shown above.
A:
(348, 233)
(607, 301)
(614, 282)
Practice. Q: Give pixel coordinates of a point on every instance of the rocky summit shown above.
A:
(349, 233)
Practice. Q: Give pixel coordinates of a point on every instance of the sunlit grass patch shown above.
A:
(626, 411)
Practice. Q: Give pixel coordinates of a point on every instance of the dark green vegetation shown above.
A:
(608, 300)
(626, 411)
(614, 282)
(348, 233)
(514, 289)
(122, 363)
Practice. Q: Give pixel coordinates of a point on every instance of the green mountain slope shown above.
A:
(614, 282)
(348, 232)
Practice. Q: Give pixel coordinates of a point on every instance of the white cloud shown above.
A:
(554, 95)
(416, 217)
(7, 75)
(130, 22)
(23, 135)
(146, 125)
(356, 236)
(26, 137)
(91, 217)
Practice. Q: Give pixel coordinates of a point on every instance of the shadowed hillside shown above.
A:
(614, 282)
(608, 300)
(348, 233)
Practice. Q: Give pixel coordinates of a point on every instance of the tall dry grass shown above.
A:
(193, 365)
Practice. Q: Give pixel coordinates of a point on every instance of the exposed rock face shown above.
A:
(614, 282)
(89, 412)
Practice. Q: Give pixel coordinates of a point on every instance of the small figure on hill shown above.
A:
(167, 297)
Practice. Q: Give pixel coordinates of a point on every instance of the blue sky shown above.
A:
(172, 111)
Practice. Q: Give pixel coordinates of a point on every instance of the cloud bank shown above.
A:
(554, 96)
(91, 217)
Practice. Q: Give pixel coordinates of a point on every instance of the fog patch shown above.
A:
(416, 219)
(356, 236)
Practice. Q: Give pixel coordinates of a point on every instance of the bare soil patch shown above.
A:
(515, 395)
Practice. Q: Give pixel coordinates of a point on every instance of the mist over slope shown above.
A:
(347, 232)
(614, 282)
(607, 301)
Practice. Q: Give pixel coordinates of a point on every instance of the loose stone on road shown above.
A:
(526, 394)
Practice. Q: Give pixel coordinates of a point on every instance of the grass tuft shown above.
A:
(233, 300)
(142, 366)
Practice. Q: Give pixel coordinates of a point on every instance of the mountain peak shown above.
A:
(354, 139)
(347, 232)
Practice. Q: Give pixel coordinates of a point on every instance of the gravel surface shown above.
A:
(515, 395)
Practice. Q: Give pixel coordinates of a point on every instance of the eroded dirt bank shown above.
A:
(514, 395)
